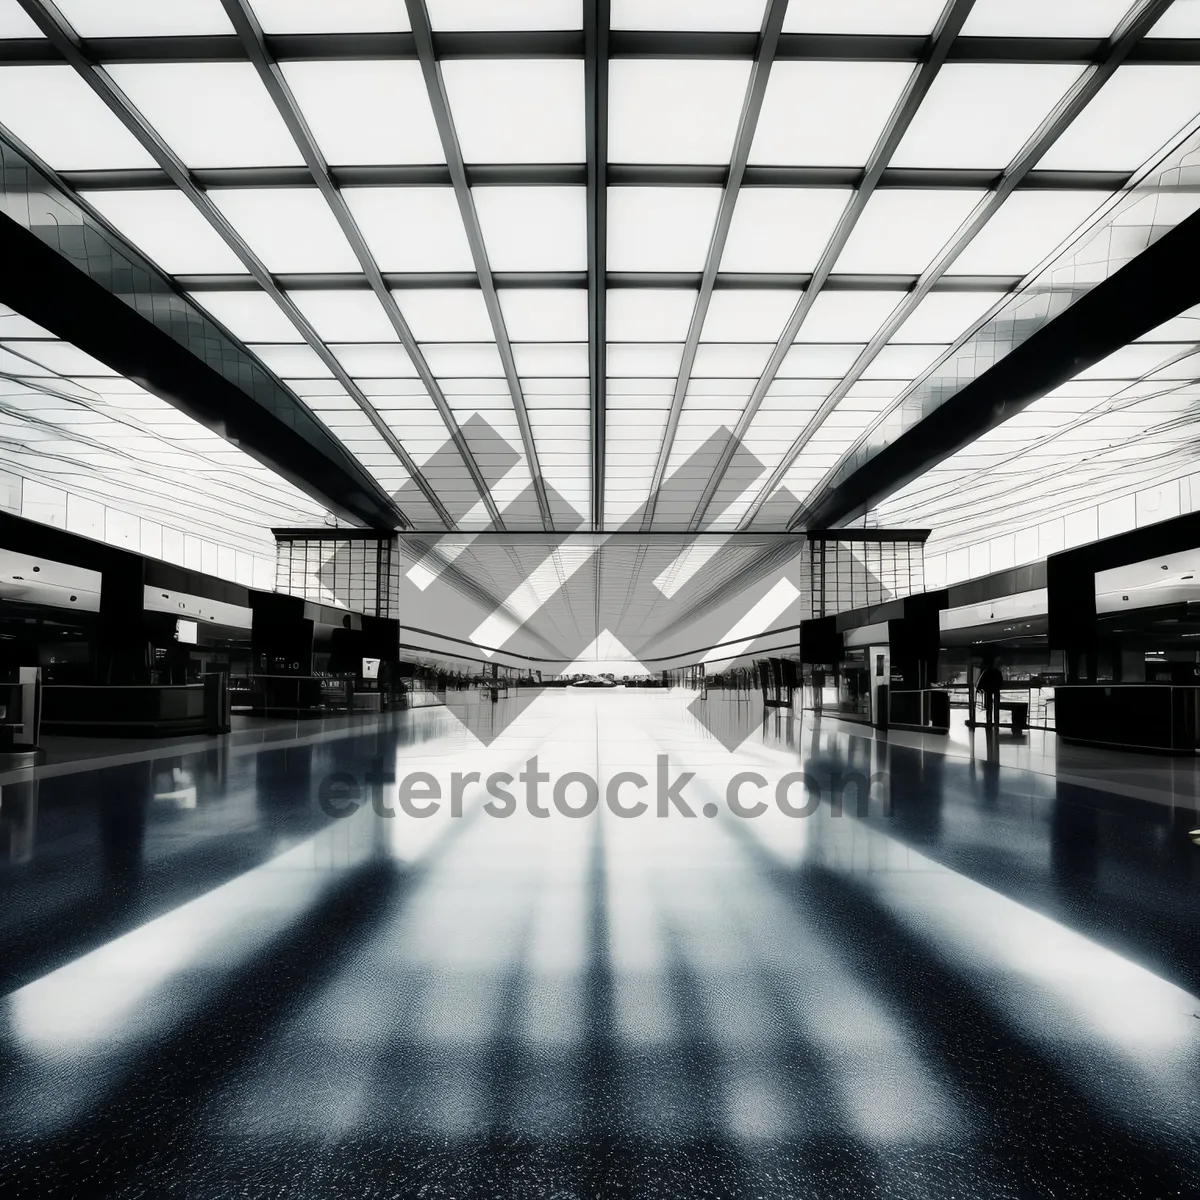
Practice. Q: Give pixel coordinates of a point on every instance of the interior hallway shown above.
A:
(981, 982)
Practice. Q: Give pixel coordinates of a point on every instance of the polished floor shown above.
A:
(956, 976)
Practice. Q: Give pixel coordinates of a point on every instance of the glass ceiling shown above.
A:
(418, 196)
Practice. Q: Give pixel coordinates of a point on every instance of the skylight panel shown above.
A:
(1138, 111)
(488, 14)
(660, 229)
(903, 361)
(850, 316)
(389, 360)
(782, 229)
(214, 114)
(644, 359)
(168, 229)
(649, 314)
(464, 360)
(551, 359)
(15, 22)
(826, 114)
(901, 230)
(1027, 228)
(412, 228)
(862, 16)
(944, 316)
(299, 362)
(64, 122)
(1036, 18)
(249, 316)
(11, 364)
(1183, 328)
(352, 107)
(61, 357)
(981, 114)
(545, 314)
(145, 18)
(14, 325)
(720, 15)
(818, 362)
(289, 229)
(716, 360)
(322, 16)
(517, 111)
(445, 314)
(1181, 20)
(345, 315)
(533, 228)
(737, 315)
(1130, 362)
(674, 110)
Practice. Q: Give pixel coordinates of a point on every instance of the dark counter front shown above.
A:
(1133, 716)
(134, 711)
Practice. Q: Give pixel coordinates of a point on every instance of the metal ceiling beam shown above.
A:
(727, 281)
(1150, 289)
(756, 89)
(576, 175)
(949, 23)
(627, 43)
(596, 22)
(418, 17)
(52, 23)
(1076, 99)
(250, 32)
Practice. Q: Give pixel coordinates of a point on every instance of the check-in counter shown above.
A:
(1159, 717)
(150, 710)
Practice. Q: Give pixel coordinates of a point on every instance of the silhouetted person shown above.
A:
(990, 683)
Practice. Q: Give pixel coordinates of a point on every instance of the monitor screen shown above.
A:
(186, 631)
(370, 668)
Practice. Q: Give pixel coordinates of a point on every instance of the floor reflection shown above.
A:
(972, 980)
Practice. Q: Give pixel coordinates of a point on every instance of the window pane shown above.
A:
(61, 357)
(687, 14)
(487, 14)
(300, 362)
(943, 316)
(64, 122)
(545, 314)
(249, 316)
(716, 360)
(649, 314)
(818, 362)
(320, 16)
(351, 109)
(674, 111)
(551, 359)
(445, 314)
(464, 359)
(862, 16)
(210, 114)
(1138, 110)
(15, 22)
(386, 361)
(826, 114)
(290, 229)
(904, 362)
(345, 316)
(981, 114)
(782, 229)
(660, 229)
(644, 360)
(900, 231)
(1035, 18)
(737, 315)
(1181, 20)
(534, 228)
(412, 229)
(144, 18)
(168, 228)
(1027, 228)
(517, 111)
(847, 316)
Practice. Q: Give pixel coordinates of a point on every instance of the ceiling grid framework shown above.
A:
(605, 235)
